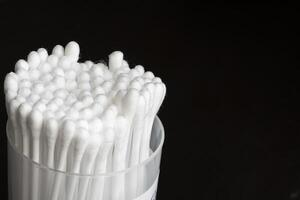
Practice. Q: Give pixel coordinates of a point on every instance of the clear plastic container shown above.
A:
(28, 180)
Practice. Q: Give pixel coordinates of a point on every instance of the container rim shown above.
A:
(109, 174)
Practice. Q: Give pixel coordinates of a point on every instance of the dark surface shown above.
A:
(231, 112)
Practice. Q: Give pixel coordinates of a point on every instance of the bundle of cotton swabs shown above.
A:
(77, 116)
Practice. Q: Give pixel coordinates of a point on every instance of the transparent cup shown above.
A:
(28, 180)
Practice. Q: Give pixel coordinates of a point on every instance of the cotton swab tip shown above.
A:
(72, 50)
(35, 122)
(115, 60)
(68, 132)
(43, 54)
(58, 51)
(33, 59)
(51, 129)
(21, 64)
(10, 82)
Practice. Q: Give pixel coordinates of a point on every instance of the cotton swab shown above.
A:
(80, 144)
(119, 158)
(90, 155)
(64, 142)
(51, 131)
(13, 106)
(35, 123)
(87, 164)
(66, 137)
(137, 132)
(102, 165)
(23, 112)
(49, 139)
(156, 94)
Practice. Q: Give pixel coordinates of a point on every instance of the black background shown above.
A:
(231, 113)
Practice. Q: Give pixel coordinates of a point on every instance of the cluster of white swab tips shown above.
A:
(52, 93)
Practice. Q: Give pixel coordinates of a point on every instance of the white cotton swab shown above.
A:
(144, 149)
(129, 103)
(65, 138)
(87, 164)
(137, 133)
(23, 112)
(51, 132)
(13, 106)
(119, 157)
(11, 88)
(80, 143)
(22, 115)
(157, 96)
(35, 123)
(102, 166)
(157, 92)
(89, 159)
(148, 118)
(49, 141)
